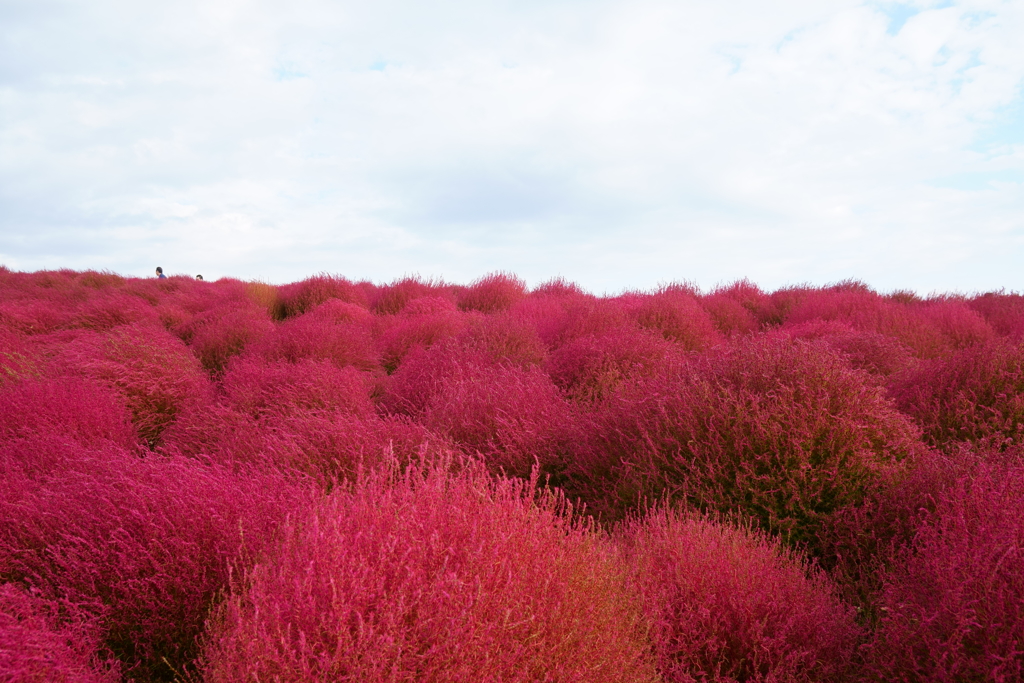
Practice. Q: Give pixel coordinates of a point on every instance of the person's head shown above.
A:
(199, 277)
(159, 270)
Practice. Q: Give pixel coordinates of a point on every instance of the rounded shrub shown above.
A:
(513, 417)
(153, 370)
(592, 367)
(300, 297)
(259, 387)
(432, 575)
(676, 314)
(953, 609)
(492, 293)
(151, 539)
(49, 640)
(224, 332)
(875, 353)
(75, 409)
(729, 604)
(781, 431)
(424, 323)
(974, 395)
(321, 337)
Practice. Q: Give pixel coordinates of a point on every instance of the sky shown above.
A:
(620, 145)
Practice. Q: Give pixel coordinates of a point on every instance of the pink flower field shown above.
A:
(424, 482)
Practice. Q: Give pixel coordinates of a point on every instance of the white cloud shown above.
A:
(618, 144)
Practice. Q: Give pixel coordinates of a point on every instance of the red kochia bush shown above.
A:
(870, 351)
(17, 360)
(1004, 312)
(328, 446)
(300, 297)
(974, 395)
(322, 334)
(422, 324)
(503, 339)
(676, 314)
(953, 610)
(152, 538)
(394, 298)
(492, 293)
(223, 332)
(152, 369)
(435, 577)
(258, 387)
(513, 417)
(47, 640)
(929, 328)
(80, 410)
(727, 604)
(591, 367)
(782, 431)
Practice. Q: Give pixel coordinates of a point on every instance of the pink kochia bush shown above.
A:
(513, 416)
(778, 430)
(48, 640)
(325, 333)
(432, 576)
(258, 387)
(953, 609)
(155, 372)
(152, 539)
(223, 332)
(676, 314)
(592, 367)
(301, 297)
(729, 604)
(975, 395)
(71, 408)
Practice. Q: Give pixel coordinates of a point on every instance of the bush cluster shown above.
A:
(423, 481)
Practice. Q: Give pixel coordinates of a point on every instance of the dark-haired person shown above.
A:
(160, 273)
(199, 277)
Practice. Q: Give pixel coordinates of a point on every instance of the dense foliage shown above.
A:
(342, 481)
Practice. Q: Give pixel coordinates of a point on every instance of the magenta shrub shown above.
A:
(259, 387)
(780, 430)
(113, 309)
(513, 417)
(931, 328)
(49, 640)
(320, 337)
(80, 410)
(591, 368)
(395, 298)
(1004, 312)
(153, 539)
(300, 297)
(974, 395)
(728, 604)
(503, 339)
(324, 445)
(154, 371)
(876, 353)
(432, 576)
(676, 314)
(953, 610)
(17, 359)
(424, 323)
(492, 293)
(221, 333)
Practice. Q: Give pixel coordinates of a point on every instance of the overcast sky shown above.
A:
(617, 144)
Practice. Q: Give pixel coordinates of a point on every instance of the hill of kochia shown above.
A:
(343, 481)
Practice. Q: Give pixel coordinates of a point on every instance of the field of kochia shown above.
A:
(424, 482)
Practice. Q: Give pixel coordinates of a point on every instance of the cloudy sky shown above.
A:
(617, 144)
